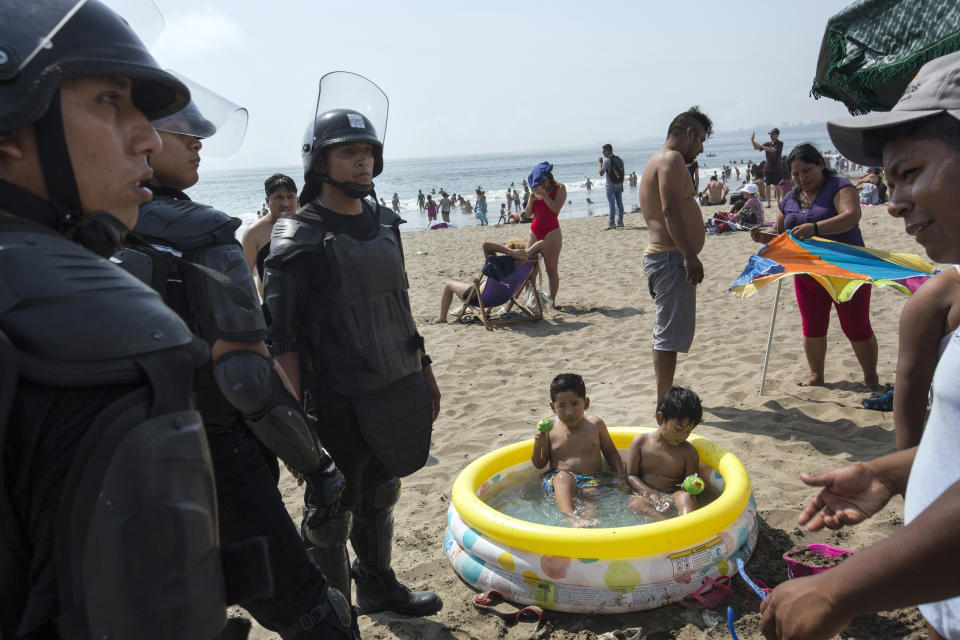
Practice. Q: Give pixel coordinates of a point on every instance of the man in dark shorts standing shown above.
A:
(670, 261)
(773, 169)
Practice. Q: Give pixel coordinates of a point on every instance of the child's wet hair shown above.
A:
(568, 382)
(680, 403)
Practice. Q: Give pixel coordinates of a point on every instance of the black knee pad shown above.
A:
(381, 497)
(331, 533)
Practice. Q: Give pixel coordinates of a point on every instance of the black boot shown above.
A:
(383, 592)
(377, 585)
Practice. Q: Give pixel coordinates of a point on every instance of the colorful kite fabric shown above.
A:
(840, 268)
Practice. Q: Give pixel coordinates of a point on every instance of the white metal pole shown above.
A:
(773, 319)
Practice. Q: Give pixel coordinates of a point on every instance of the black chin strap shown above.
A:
(55, 158)
(351, 189)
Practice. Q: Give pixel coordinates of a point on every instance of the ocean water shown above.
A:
(240, 192)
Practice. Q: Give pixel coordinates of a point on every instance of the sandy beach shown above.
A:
(495, 388)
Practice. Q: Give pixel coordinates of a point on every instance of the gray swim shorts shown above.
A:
(675, 301)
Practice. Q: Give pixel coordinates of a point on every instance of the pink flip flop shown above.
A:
(710, 594)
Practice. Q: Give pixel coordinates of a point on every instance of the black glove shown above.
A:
(324, 488)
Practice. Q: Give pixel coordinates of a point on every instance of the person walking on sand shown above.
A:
(670, 261)
(772, 170)
(611, 167)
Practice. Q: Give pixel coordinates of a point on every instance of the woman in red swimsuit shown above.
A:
(546, 198)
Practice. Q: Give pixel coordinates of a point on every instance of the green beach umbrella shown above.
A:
(873, 49)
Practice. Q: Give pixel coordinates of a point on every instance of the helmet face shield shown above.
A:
(27, 28)
(350, 108)
(220, 123)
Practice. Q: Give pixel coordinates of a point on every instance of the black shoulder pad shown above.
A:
(183, 224)
(388, 217)
(75, 318)
(294, 234)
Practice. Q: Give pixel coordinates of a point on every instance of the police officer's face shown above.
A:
(350, 163)
(176, 164)
(282, 200)
(108, 140)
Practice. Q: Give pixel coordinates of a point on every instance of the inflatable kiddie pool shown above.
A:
(600, 570)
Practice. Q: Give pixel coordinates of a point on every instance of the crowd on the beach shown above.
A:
(157, 371)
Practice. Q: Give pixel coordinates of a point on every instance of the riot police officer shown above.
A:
(336, 289)
(188, 252)
(107, 510)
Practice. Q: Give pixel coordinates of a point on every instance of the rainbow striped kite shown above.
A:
(840, 268)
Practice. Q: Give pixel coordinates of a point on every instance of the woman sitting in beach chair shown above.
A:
(469, 292)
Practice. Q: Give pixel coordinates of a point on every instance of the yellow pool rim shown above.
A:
(603, 543)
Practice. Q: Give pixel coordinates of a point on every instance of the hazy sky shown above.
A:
(493, 76)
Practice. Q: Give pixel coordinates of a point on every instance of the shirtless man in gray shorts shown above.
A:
(670, 261)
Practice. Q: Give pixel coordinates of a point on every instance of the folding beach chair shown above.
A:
(509, 291)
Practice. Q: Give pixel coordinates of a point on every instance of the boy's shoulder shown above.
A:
(595, 421)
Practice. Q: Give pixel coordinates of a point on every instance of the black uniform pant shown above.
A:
(250, 505)
(340, 434)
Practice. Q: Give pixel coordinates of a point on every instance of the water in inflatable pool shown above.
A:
(524, 498)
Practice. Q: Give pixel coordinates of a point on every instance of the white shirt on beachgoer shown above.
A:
(935, 469)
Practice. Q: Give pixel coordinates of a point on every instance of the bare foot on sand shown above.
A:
(815, 380)
(873, 384)
(440, 320)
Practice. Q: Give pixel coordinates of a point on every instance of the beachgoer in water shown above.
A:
(396, 203)
(444, 206)
(281, 198)
(431, 208)
(670, 261)
(574, 449)
(658, 462)
(547, 198)
(515, 248)
(588, 185)
(421, 200)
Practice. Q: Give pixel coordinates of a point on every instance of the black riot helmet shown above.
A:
(42, 43)
(348, 106)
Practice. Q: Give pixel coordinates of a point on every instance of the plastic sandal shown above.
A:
(493, 602)
(883, 402)
(710, 594)
(630, 633)
(533, 613)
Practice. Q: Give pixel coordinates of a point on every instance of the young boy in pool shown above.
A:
(574, 447)
(658, 462)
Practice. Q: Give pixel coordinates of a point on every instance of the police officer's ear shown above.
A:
(13, 143)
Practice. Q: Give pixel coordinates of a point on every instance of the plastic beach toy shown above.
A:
(693, 485)
(545, 425)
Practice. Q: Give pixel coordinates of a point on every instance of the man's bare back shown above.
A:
(666, 184)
